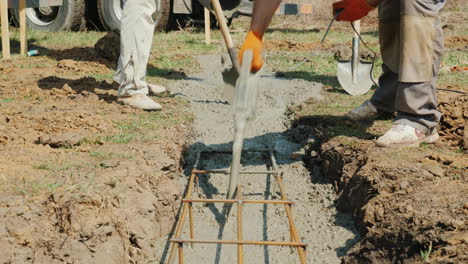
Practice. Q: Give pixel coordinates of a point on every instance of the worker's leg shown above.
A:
(137, 30)
(419, 61)
(389, 40)
(420, 56)
(383, 99)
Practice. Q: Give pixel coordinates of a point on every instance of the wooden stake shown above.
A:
(5, 29)
(22, 18)
(207, 27)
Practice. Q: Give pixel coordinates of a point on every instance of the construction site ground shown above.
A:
(86, 180)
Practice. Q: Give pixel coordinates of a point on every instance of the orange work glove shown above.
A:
(253, 42)
(352, 9)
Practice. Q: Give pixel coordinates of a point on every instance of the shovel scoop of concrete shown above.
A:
(362, 81)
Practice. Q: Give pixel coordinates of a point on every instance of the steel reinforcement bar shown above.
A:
(187, 208)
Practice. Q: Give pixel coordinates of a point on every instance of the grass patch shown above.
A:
(108, 155)
(42, 166)
(426, 254)
(6, 100)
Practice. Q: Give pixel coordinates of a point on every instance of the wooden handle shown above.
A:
(222, 23)
(357, 27)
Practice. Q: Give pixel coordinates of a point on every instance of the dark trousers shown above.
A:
(411, 43)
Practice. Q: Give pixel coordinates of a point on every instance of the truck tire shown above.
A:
(69, 16)
(110, 13)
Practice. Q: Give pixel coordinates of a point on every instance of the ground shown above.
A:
(86, 180)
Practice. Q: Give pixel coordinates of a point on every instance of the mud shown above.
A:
(328, 232)
(69, 191)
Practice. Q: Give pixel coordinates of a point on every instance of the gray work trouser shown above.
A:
(411, 43)
(136, 36)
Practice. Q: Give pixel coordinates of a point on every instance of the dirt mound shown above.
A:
(287, 45)
(341, 51)
(457, 42)
(409, 204)
(108, 47)
(404, 202)
(454, 123)
(82, 178)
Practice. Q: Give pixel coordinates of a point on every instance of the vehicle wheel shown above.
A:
(110, 13)
(69, 16)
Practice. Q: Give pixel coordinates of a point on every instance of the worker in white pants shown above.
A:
(136, 37)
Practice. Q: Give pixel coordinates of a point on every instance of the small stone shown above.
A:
(404, 185)
(109, 163)
(465, 205)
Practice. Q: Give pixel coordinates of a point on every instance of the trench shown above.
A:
(328, 232)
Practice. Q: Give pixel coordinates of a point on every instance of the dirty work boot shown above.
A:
(154, 89)
(406, 136)
(365, 112)
(140, 101)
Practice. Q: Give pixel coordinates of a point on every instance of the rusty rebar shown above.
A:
(229, 151)
(221, 171)
(192, 235)
(293, 231)
(231, 201)
(183, 213)
(181, 253)
(242, 242)
(240, 254)
(188, 207)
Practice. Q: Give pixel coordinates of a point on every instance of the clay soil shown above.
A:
(86, 180)
(82, 178)
(406, 202)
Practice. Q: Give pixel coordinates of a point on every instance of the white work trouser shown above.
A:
(136, 36)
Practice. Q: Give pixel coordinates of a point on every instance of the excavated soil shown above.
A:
(406, 202)
(328, 233)
(454, 123)
(80, 180)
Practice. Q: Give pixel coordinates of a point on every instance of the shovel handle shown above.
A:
(222, 23)
(357, 27)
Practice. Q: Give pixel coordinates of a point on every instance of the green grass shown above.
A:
(42, 166)
(6, 100)
(426, 254)
(108, 155)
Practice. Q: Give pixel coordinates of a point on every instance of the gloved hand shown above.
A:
(253, 42)
(353, 9)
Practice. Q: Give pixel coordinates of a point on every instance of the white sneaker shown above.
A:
(406, 136)
(140, 101)
(154, 89)
(366, 111)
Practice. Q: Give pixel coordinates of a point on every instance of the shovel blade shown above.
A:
(230, 76)
(362, 82)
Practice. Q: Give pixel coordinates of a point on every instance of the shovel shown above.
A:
(231, 74)
(355, 75)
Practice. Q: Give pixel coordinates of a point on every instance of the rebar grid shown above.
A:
(187, 207)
